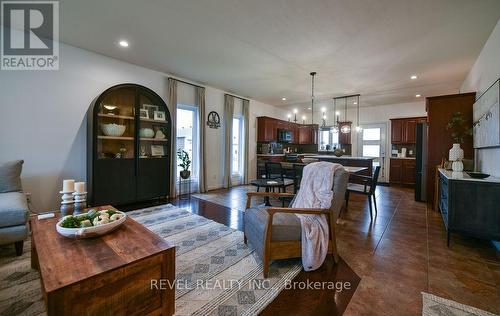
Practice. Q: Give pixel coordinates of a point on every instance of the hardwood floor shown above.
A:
(400, 254)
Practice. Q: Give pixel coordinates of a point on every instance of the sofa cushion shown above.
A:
(10, 176)
(13, 209)
(13, 234)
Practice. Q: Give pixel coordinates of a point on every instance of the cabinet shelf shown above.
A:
(153, 139)
(124, 117)
(115, 137)
(153, 121)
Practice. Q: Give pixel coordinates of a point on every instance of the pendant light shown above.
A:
(335, 127)
(345, 128)
(358, 127)
(312, 96)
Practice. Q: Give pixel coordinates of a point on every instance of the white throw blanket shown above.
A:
(315, 192)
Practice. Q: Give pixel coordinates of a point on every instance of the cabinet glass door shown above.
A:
(116, 125)
(153, 128)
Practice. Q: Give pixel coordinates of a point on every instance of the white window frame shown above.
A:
(237, 177)
(195, 163)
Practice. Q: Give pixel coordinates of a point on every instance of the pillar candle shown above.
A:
(80, 187)
(68, 185)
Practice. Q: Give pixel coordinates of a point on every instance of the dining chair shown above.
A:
(274, 170)
(367, 187)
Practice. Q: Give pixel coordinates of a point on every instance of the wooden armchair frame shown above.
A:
(290, 249)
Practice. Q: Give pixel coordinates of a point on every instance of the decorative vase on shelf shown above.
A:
(185, 174)
(457, 166)
(456, 153)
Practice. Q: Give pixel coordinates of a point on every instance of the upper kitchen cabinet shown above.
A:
(308, 134)
(403, 131)
(267, 129)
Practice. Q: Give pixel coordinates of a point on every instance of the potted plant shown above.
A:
(459, 128)
(185, 163)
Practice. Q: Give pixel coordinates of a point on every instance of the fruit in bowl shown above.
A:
(91, 224)
(113, 129)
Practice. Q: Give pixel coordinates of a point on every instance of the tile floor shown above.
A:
(402, 253)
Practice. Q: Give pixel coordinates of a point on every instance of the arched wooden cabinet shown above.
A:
(128, 146)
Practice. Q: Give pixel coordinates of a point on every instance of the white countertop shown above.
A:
(335, 157)
(463, 176)
(403, 158)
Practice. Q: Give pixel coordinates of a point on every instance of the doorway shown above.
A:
(372, 143)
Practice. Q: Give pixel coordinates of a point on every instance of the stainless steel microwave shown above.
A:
(284, 136)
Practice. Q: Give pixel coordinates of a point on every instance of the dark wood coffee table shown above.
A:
(107, 275)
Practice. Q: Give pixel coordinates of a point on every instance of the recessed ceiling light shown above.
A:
(123, 43)
(413, 77)
(355, 102)
(283, 99)
(417, 95)
(308, 108)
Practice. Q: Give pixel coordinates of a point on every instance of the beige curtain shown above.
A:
(172, 101)
(228, 134)
(246, 123)
(200, 102)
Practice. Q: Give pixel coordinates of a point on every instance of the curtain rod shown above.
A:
(234, 96)
(348, 96)
(189, 83)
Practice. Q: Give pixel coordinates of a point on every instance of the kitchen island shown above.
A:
(347, 161)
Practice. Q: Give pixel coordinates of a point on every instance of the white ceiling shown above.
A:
(265, 49)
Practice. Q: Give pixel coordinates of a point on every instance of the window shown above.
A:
(188, 137)
(237, 149)
(328, 138)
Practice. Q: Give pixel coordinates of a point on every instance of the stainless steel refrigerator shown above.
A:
(421, 161)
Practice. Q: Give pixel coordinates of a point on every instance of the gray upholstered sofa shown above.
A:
(13, 206)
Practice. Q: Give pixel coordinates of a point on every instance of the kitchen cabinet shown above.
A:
(402, 171)
(403, 131)
(439, 111)
(396, 131)
(308, 134)
(395, 171)
(267, 131)
(409, 171)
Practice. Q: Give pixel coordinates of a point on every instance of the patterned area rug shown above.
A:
(437, 306)
(216, 273)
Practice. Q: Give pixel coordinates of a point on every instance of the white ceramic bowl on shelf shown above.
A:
(92, 231)
(146, 133)
(113, 129)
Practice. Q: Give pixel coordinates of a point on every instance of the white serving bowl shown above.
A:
(146, 133)
(113, 129)
(88, 232)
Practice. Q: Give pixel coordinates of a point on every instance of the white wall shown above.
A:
(484, 72)
(43, 120)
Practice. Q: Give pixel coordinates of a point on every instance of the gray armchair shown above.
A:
(13, 206)
(275, 232)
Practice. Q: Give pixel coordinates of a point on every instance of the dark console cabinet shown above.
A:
(128, 146)
(469, 206)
